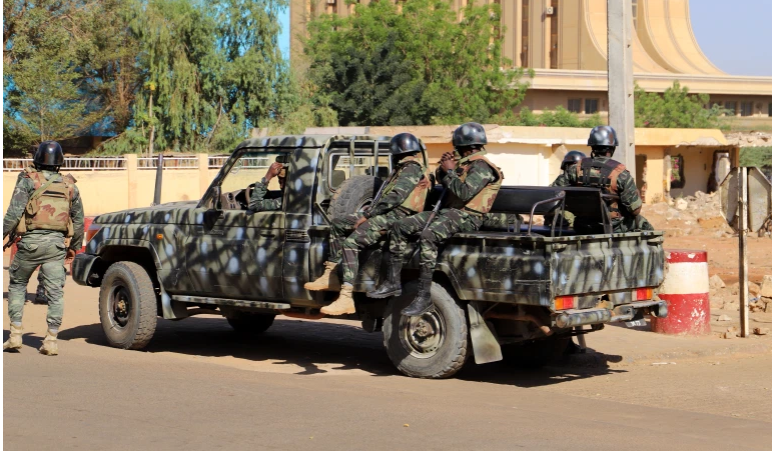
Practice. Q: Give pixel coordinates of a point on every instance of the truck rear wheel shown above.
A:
(433, 345)
(353, 195)
(128, 306)
(249, 324)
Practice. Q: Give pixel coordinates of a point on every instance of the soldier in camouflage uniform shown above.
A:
(44, 210)
(472, 186)
(572, 158)
(261, 198)
(613, 178)
(403, 195)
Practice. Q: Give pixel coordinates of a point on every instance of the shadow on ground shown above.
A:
(315, 345)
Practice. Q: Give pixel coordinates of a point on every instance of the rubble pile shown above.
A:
(701, 211)
(725, 297)
(752, 139)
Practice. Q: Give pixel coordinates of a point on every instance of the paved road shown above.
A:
(329, 385)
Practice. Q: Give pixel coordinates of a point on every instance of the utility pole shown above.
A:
(152, 121)
(620, 79)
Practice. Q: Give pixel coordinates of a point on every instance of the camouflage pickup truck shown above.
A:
(512, 290)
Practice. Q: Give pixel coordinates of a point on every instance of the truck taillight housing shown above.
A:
(565, 302)
(91, 231)
(644, 294)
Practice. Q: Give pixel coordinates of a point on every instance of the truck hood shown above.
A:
(163, 213)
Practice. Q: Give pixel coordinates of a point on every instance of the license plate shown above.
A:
(640, 322)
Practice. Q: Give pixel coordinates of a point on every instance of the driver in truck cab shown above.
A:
(403, 195)
(262, 199)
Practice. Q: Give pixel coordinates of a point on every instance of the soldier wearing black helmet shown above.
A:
(600, 171)
(403, 194)
(572, 158)
(45, 210)
(472, 183)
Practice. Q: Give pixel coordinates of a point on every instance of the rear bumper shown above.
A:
(81, 269)
(627, 312)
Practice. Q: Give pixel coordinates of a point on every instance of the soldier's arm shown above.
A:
(76, 214)
(479, 175)
(628, 193)
(258, 202)
(16, 208)
(404, 185)
(561, 180)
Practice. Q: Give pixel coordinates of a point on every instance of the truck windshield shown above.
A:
(251, 167)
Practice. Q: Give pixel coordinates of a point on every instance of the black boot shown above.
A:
(423, 300)
(392, 286)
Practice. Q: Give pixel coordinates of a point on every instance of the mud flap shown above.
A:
(484, 344)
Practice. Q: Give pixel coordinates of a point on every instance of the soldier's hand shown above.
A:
(359, 222)
(448, 164)
(70, 255)
(273, 170)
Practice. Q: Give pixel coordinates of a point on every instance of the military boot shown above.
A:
(327, 281)
(344, 304)
(40, 296)
(49, 344)
(423, 300)
(14, 341)
(392, 286)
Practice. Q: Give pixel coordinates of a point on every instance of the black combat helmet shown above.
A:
(603, 139)
(49, 155)
(469, 134)
(405, 144)
(572, 157)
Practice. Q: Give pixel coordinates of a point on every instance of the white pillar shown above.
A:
(620, 80)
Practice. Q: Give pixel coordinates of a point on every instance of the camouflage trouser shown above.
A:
(345, 242)
(447, 222)
(48, 253)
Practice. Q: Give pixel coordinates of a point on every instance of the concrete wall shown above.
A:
(697, 168)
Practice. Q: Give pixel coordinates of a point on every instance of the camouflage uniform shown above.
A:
(258, 201)
(456, 217)
(40, 247)
(345, 244)
(621, 183)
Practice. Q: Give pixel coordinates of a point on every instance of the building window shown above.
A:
(746, 108)
(769, 109)
(635, 14)
(677, 179)
(731, 108)
(590, 106)
(524, 34)
(575, 105)
(554, 22)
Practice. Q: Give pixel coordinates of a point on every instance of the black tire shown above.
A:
(249, 324)
(537, 353)
(128, 306)
(353, 195)
(437, 356)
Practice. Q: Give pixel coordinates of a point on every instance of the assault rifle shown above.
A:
(11, 239)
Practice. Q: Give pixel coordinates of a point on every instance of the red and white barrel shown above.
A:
(686, 289)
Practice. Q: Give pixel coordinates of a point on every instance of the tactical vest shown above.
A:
(49, 209)
(482, 201)
(416, 200)
(603, 175)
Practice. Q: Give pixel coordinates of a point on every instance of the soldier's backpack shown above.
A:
(49, 206)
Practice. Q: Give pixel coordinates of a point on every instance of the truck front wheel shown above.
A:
(127, 306)
(433, 345)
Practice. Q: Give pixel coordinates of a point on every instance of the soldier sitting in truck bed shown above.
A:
(262, 199)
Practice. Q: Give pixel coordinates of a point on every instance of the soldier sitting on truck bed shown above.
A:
(572, 158)
(403, 195)
(613, 179)
(261, 198)
(472, 188)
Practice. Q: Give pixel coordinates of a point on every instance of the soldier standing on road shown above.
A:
(261, 198)
(612, 178)
(472, 187)
(403, 195)
(45, 209)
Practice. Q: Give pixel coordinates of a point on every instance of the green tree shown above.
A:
(380, 66)
(675, 108)
(756, 156)
(211, 70)
(559, 117)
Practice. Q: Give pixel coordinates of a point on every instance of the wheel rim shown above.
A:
(423, 335)
(120, 307)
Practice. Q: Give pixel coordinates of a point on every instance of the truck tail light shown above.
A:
(92, 230)
(644, 294)
(564, 302)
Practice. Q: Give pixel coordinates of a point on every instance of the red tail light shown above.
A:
(564, 302)
(644, 294)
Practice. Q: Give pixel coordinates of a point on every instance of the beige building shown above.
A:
(565, 43)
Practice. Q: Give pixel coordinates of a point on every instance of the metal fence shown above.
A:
(72, 164)
(169, 162)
